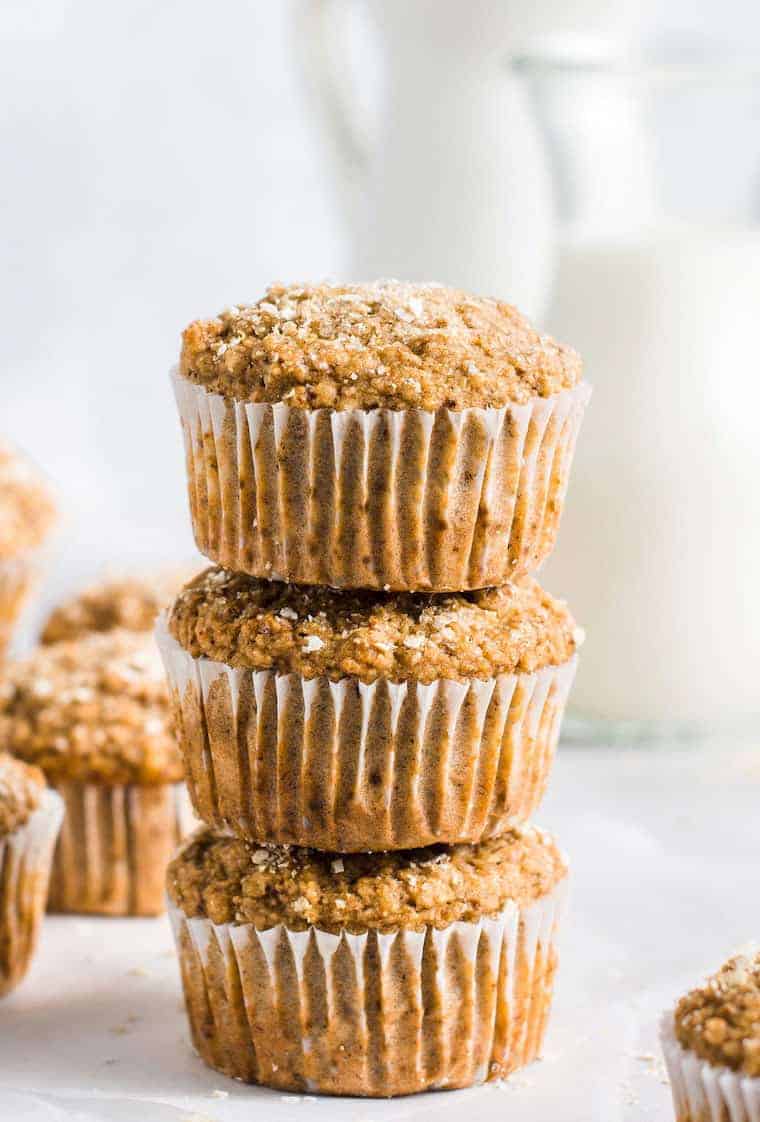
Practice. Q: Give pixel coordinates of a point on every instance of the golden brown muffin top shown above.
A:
(93, 710)
(21, 788)
(315, 631)
(386, 345)
(130, 601)
(720, 1020)
(27, 510)
(229, 880)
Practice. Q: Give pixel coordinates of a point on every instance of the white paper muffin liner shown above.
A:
(371, 1014)
(114, 847)
(25, 861)
(703, 1092)
(377, 498)
(353, 767)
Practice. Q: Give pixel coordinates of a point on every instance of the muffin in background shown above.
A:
(130, 601)
(367, 974)
(27, 516)
(711, 1044)
(350, 721)
(385, 435)
(92, 713)
(30, 817)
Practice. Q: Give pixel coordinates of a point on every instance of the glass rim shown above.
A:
(553, 59)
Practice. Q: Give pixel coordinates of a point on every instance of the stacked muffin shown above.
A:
(368, 687)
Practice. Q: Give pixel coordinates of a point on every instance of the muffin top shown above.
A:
(720, 1020)
(27, 510)
(93, 710)
(130, 601)
(315, 631)
(21, 788)
(229, 880)
(383, 345)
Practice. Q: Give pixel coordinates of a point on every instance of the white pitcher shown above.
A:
(451, 184)
(450, 181)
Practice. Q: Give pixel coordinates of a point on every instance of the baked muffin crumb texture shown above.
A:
(27, 509)
(21, 788)
(720, 1020)
(229, 880)
(93, 710)
(387, 344)
(129, 601)
(314, 631)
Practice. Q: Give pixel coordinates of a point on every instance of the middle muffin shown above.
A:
(355, 721)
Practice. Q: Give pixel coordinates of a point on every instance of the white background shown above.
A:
(159, 161)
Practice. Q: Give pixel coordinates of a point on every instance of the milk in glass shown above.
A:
(659, 549)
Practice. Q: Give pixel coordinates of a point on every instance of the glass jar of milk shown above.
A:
(657, 171)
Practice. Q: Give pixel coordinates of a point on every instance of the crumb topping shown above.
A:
(27, 510)
(401, 636)
(387, 345)
(229, 880)
(21, 790)
(131, 602)
(92, 709)
(720, 1020)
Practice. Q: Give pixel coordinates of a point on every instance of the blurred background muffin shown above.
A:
(92, 713)
(27, 516)
(131, 601)
(30, 817)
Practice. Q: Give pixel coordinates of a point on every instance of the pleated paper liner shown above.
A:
(371, 1014)
(378, 498)
(703, 1092)
(352, 767)
(25, 860)
(115, 845)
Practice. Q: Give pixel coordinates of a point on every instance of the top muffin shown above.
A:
(382, 345)
(21, 789)
(27, 510)
(720, 1020)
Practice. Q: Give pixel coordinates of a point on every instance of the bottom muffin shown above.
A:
(711, 1044)
(367, 974)
(30, 817)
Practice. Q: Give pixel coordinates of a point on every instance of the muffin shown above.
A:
(129, 601)
(92, 713)
(27, 515)
(30, 817)
(349, 720)
(711, 1045)
(381, 435)
(370, 974)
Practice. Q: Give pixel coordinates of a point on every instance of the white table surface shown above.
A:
(664, 845)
